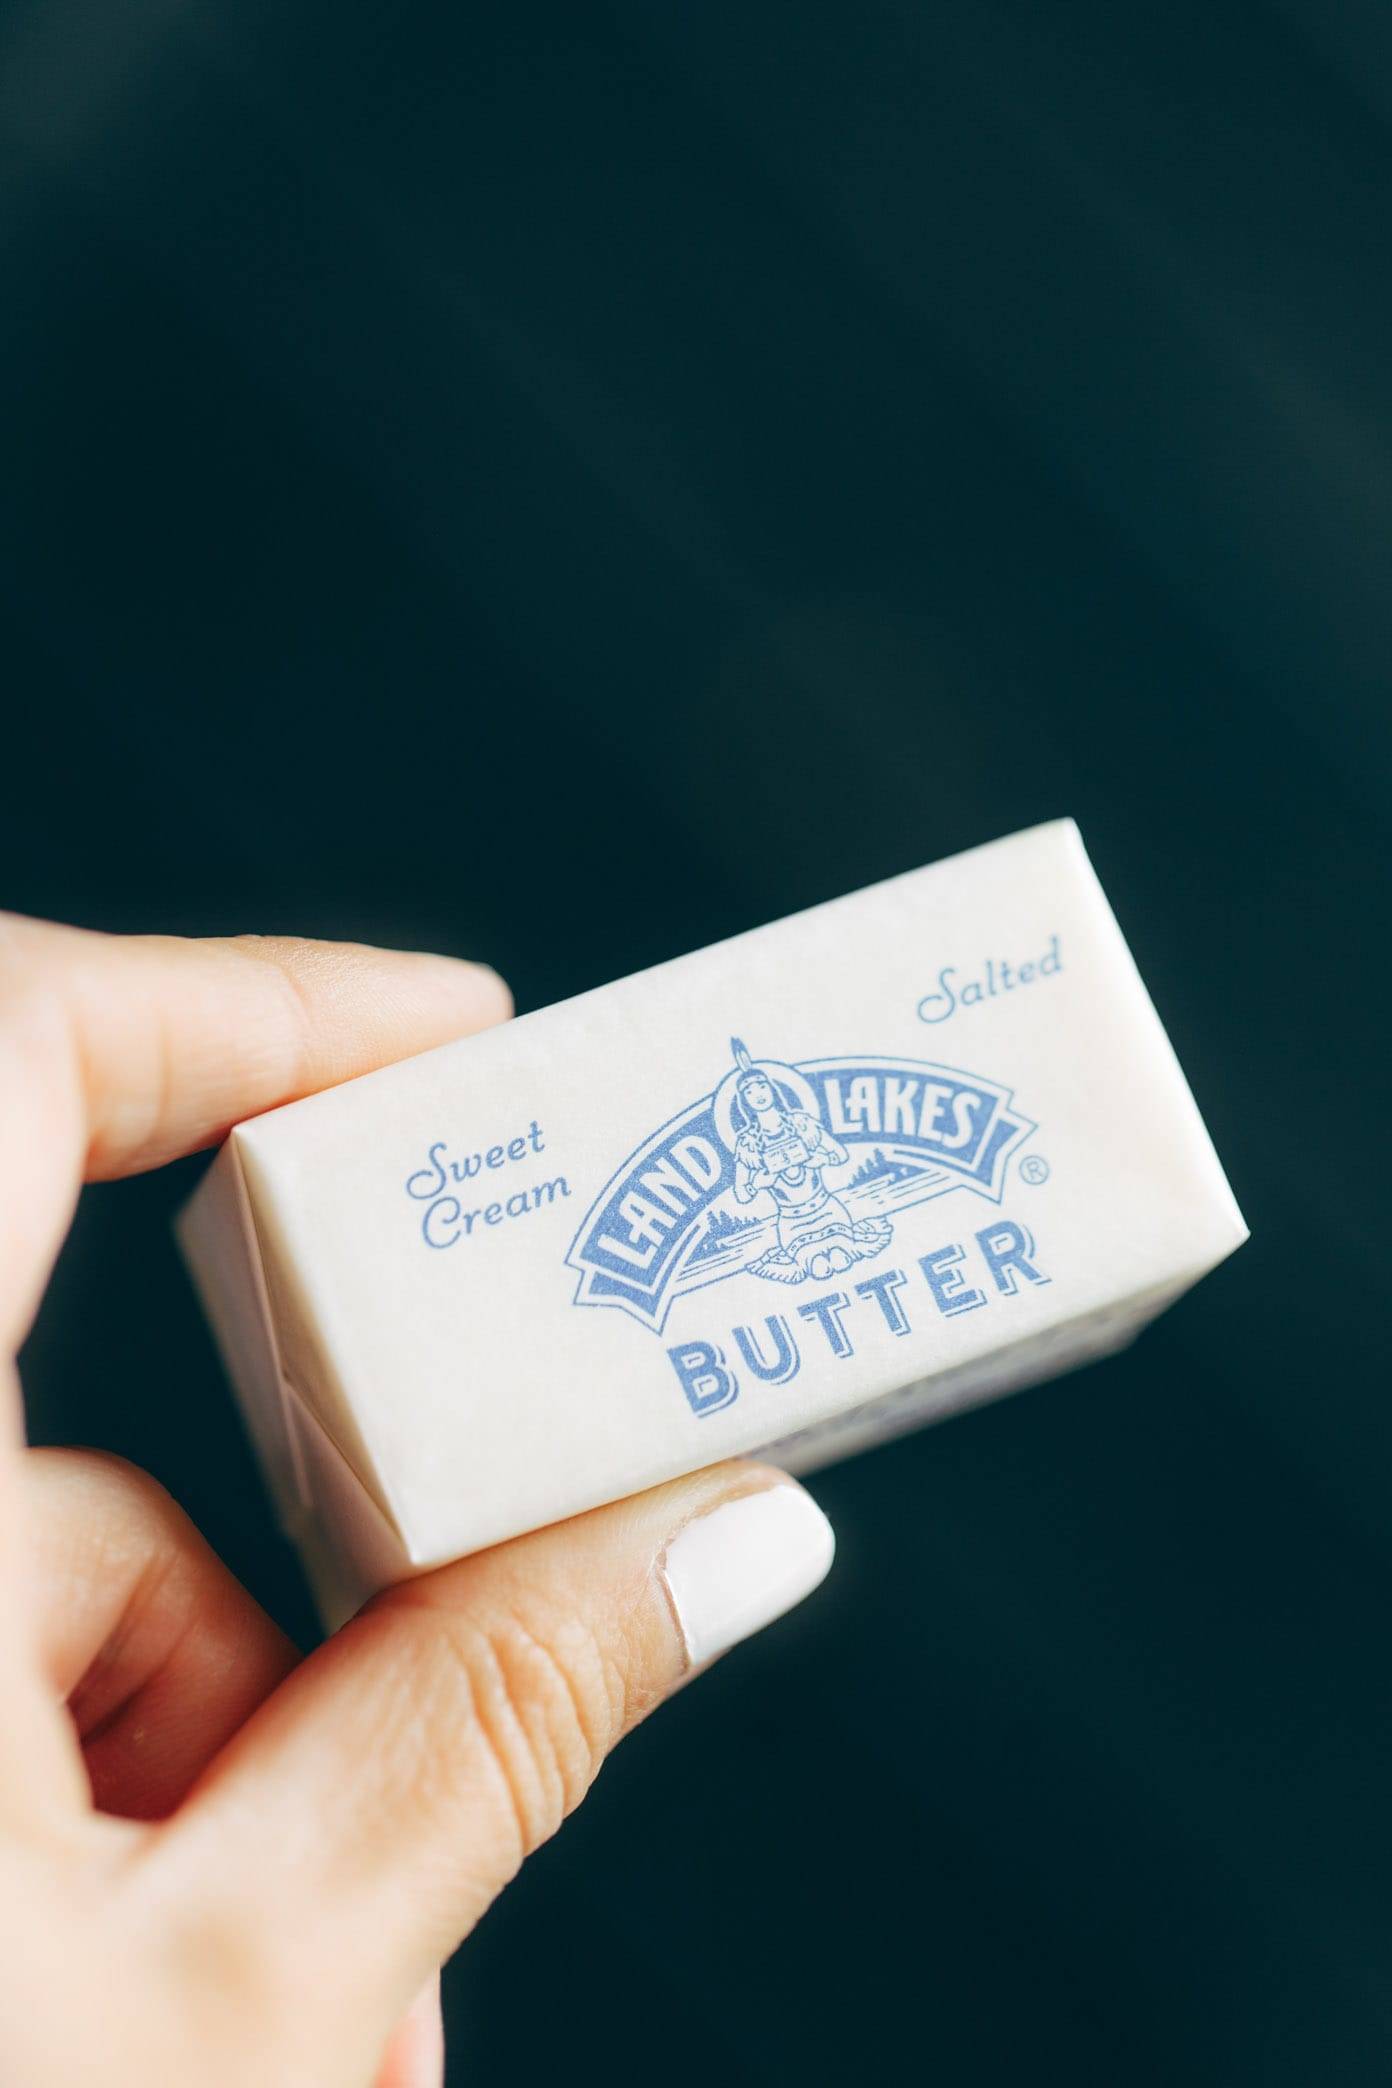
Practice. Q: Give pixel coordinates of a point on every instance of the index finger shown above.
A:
(120, 1052)
(117, 1053)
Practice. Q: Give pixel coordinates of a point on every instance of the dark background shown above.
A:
(564, 484)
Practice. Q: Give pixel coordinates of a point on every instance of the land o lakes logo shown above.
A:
(789, 1173)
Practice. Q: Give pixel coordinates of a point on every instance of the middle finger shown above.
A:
(158, 1651)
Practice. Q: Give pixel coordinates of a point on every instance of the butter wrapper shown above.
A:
(792, 1194)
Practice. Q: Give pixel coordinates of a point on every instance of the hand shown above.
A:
(219, 1863)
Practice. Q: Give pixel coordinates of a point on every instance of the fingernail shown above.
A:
(734, 1570)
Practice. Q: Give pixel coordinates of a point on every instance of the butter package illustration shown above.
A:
(792, 1194)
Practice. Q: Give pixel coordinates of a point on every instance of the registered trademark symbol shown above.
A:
(1034, 1168)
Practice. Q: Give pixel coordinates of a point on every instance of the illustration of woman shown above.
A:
(784, 1150)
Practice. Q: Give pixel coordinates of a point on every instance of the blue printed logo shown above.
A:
(789, 1173)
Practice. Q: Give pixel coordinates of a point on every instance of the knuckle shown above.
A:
(135, 1544)
(540, 1702)
(114, 1488)
(289, 964)
(547, 1711)
(539, 1718)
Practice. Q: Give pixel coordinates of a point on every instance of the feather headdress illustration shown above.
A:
(782, 1151)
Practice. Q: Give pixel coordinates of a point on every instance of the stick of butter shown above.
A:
(829, 1180)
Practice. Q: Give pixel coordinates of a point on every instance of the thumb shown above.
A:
(398, 1778)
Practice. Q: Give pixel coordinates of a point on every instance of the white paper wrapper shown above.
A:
(832, 1179)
